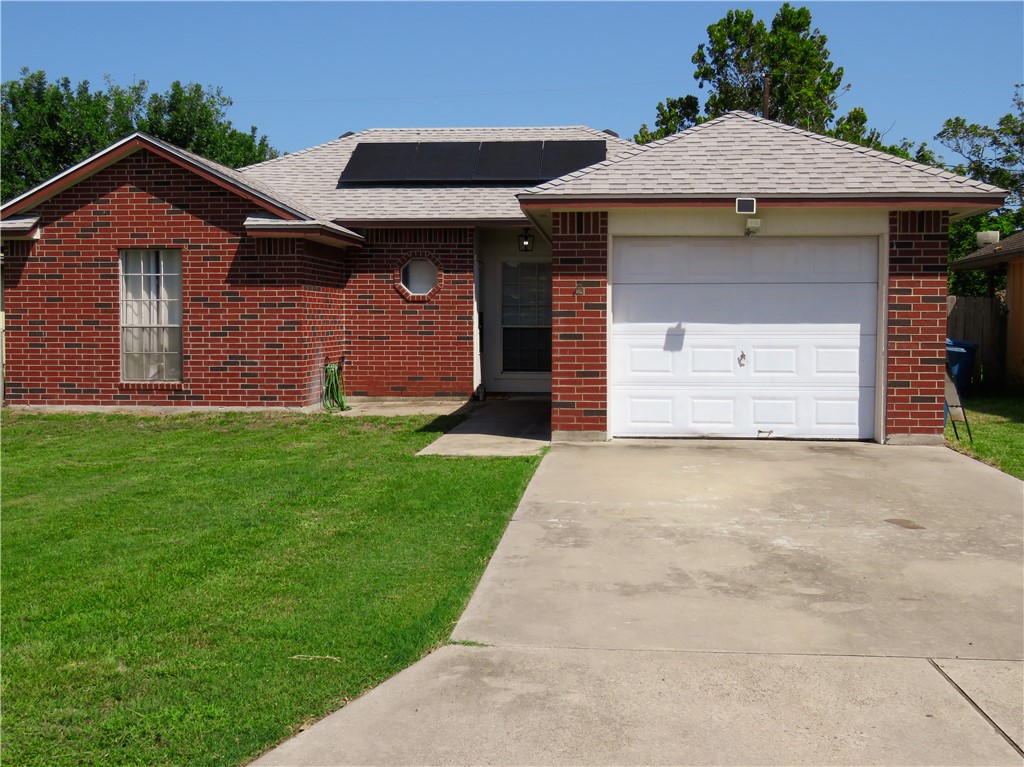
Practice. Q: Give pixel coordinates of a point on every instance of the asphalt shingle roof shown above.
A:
(311, 177)
(993, 255)
(740, 154)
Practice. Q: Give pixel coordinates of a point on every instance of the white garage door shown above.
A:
(744, 337)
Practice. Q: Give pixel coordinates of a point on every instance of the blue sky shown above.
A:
(304, 73)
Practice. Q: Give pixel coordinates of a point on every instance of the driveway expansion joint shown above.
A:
(679, 651)
(977, 708)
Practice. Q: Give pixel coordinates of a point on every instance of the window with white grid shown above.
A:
(151, 315)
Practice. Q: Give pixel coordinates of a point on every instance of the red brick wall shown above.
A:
(397, 346)
(579, 365)
(323, 296)
(244, 322)
(918, 243)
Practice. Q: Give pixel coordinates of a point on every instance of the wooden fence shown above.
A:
(983, 321)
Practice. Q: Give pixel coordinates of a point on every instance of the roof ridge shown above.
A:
(640, 149)
(300, 151)
(864, 150)
(587, 128)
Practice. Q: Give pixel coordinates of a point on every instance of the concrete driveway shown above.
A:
(699, 602)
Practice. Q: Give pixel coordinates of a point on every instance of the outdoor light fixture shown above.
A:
(525, 242)
(753, 227)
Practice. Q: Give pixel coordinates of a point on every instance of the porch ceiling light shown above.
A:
(526, 241)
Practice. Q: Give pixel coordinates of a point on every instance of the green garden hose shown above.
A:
(333, 398)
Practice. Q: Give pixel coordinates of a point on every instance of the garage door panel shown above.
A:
(666, 305)
(844, 413)
(654, 260)
(776, 354)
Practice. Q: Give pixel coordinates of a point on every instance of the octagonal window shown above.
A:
(419, 276)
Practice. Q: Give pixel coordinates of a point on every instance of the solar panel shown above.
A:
(509, 161)
(561, 157)
(379, 163)
(468, 162)
(444, 161)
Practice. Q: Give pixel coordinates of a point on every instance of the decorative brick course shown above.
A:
(579, 285)
(918, 242)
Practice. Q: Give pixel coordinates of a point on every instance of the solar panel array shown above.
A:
(468, 162)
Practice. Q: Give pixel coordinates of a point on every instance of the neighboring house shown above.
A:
(1005, 256)
(629, 281)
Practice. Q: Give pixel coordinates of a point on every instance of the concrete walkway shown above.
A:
(508, 427)
(725, 603)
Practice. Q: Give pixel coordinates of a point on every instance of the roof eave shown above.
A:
(393, 223)
(988, 261)
(315, 231)
(20, 228)
(958, 205)
(125, 148)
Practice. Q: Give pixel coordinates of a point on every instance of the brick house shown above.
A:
(741, 278)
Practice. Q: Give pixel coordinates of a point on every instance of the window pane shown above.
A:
(526, 349)
(132, 367)
(171, 286)
(132, 340)
(172, 367)
(133, 287)
(154, 370)
(419, 276)
(171, 262)
(132, 261)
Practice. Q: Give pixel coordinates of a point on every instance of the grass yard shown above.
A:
(997, 424)
(190, 589)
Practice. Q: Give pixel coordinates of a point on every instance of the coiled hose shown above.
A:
(333, 399)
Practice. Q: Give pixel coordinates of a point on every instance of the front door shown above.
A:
(517, 323)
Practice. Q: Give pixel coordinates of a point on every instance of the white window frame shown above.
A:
(155, 311)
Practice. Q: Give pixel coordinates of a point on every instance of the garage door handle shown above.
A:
(743, 359)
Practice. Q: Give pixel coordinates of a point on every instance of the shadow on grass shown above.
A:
(1010, 408)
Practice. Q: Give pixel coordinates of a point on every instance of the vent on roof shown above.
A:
(474, 162)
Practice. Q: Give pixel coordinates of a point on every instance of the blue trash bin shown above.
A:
(961, 355)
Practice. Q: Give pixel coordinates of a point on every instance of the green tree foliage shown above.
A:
(49, 126)
(994, 155)
(742, 55)
(743, 58)
(674, 115)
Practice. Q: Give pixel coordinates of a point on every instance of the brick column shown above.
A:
(918, 244)
(579, 295)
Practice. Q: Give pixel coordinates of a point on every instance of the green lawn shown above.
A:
(189, 590)
(997, 425)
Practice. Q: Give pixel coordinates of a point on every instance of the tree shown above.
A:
(783, 73)
(47, 127)
(994, 155)
(674, 115)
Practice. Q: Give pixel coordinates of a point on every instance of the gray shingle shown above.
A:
(311, 177)
(740, 153)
